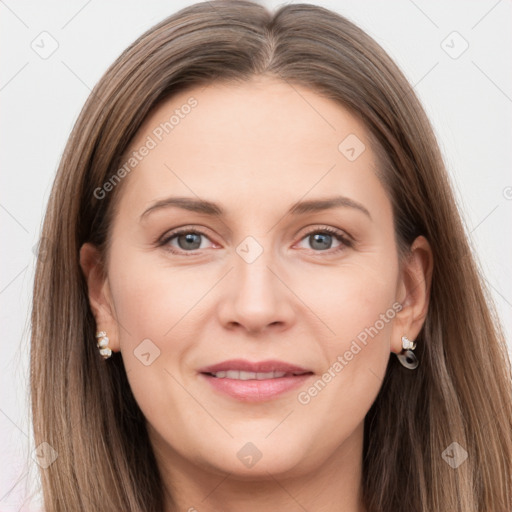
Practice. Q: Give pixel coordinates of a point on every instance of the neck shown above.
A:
(333, 486)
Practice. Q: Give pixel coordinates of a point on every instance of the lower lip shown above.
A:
(256, 390)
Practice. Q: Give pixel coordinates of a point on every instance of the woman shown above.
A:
(262, 295)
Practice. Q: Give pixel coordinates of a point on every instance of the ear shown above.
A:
(100, 297)
(413, 292)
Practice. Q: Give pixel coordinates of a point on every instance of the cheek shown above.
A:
(353, 298)
(151, 298)
(358, 305)
(155, 307)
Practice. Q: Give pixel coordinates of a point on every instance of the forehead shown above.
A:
(264, 138)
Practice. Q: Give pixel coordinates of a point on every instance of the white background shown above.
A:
(468, 99)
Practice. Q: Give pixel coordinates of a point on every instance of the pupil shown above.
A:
(190, 238)
(321, 241)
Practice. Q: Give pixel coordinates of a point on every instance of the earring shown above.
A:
(406, 356)
(102, 344)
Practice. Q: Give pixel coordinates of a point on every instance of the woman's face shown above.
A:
(286, 254)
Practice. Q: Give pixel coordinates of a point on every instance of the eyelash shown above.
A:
(339, 235)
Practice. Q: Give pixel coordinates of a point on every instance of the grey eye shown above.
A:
(320, 241)
(190, 241)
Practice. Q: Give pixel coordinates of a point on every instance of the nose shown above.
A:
(257, 297)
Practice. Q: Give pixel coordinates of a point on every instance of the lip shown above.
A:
(254, 390)
(270, 365)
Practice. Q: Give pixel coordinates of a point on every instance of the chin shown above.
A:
(259, 459)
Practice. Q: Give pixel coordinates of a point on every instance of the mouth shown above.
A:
(254, 382)
(243, 375)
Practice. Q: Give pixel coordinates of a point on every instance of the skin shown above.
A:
(256, 149)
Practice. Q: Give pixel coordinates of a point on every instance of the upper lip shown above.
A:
(270, 365)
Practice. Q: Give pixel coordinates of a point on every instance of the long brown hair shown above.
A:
(461, 392)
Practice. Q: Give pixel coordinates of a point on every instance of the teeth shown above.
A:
(241, 375)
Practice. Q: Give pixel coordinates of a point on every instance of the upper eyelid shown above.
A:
(164, 239)
(179, 231)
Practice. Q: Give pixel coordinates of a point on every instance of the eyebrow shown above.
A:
(215, 210)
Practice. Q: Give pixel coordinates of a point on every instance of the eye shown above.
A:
(321, 239)
(184, 240)
(188, 240)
